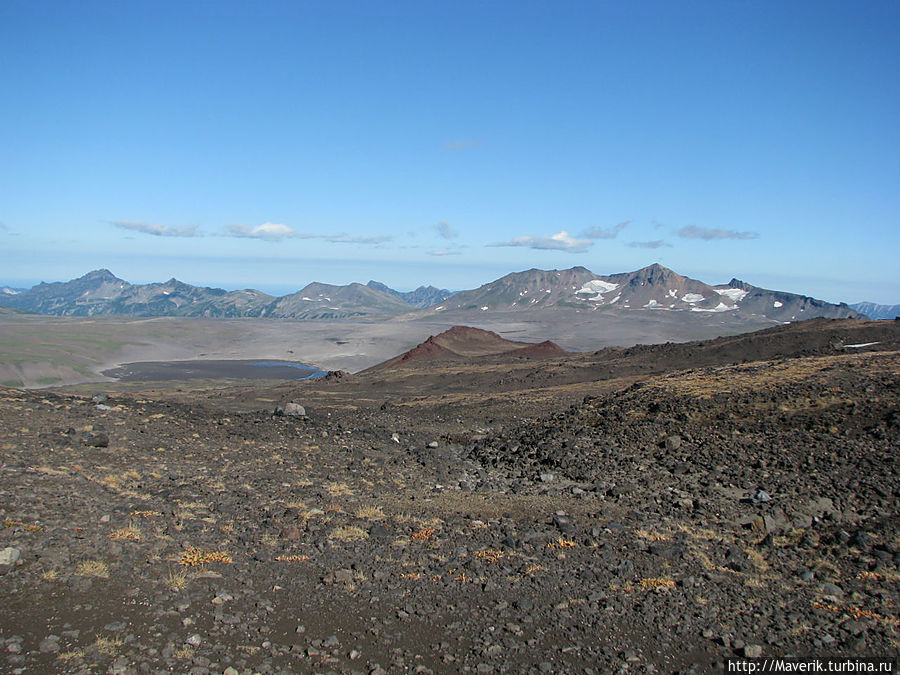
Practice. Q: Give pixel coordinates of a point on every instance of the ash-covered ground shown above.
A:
(655, 509)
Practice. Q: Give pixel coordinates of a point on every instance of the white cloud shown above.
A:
(445, 251)
(344, 239)
(561, 241)
(709, 233)
(597, 232)
(656, 243)
(443, 228)
(157, 230)
(267, 231)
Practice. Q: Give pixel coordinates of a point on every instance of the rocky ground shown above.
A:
(640, 511)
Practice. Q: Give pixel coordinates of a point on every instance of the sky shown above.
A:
(272, 144)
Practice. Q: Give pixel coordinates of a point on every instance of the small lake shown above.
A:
(148, 371)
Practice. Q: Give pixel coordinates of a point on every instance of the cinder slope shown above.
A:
(462, 343)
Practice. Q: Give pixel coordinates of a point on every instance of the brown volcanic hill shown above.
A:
(461, 343)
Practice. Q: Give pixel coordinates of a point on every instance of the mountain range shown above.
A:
(875, 311)
(652, 288)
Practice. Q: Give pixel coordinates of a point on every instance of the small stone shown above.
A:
(547, 477)
(49, 644)
(832, 589)
(230, 671)
(673, 443)
(194, 640)
(433, 444)
(290, 533)
(343, 576)
(95, 439)
(10, 556)
(752, 651)
(760, 497)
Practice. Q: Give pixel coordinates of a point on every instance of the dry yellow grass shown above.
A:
(423, 534)
(145, 514)
(348, 533)
(339, 489)
(369, 513)
(50, 575)
(657, 583)
(108, 646)
(70, 654)
(489, 555)
(652, 535)
(194, 557)
(176, 579)
(93, 568)
(131, 533)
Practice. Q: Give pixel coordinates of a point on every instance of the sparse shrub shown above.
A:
(424, 534)
(177, 579)
(194, 557)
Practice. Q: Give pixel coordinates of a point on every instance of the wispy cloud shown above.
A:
(443, 229)
(445, 251)
(344, 239)
(266, 231)
(657, 243)
(597, 232)
(461, 144)
(157, 230)
(561, 241)
(709, 233)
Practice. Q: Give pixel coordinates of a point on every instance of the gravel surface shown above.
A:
(660, 523)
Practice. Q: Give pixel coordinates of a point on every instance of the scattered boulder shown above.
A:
(290, 410)
(95, 439)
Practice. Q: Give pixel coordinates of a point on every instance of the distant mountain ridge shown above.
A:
(652, 288)
(876, 311)
(423, 296)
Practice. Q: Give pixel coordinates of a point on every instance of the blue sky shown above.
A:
(276, 143)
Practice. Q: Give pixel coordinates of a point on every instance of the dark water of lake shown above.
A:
(146, 371)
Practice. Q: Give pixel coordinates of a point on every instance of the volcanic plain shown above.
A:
(473, 505)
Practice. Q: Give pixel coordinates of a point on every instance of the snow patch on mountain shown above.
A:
(736, 294)
(596, 287)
